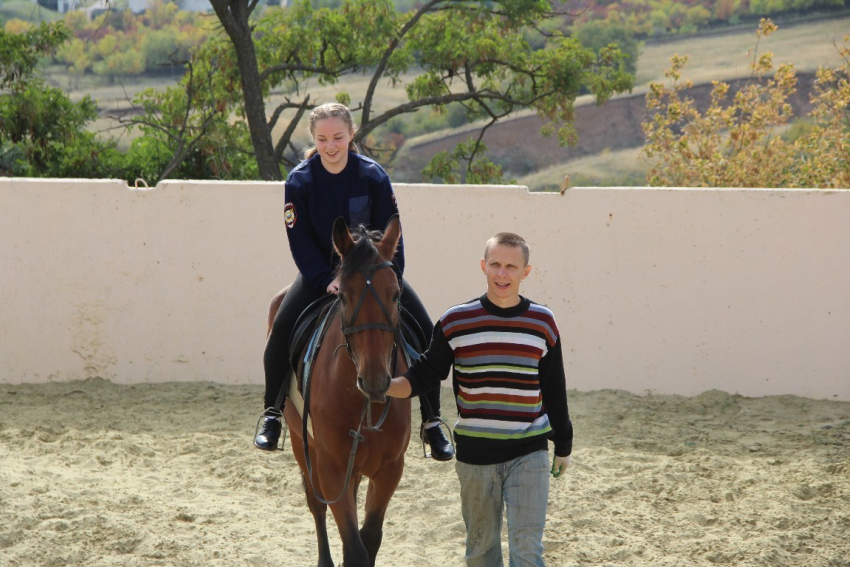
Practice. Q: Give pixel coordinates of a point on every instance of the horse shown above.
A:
(351, 373)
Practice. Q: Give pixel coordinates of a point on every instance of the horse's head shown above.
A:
(369, 294)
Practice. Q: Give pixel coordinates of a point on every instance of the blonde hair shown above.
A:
(330, 110)
(509, 239)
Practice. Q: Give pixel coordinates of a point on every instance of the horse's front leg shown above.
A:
(378, 494)
(354, 553)
(318, 509)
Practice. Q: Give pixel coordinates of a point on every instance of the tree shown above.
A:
(42, 132)
(235, 18)
(741, 143)
(597, 34)
(119, 43)
(19, 53)
(476, 53)
(445, 165)
(185, 132)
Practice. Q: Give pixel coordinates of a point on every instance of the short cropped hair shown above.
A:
(509, 239)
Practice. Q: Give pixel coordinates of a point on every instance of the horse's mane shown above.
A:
(363, 253)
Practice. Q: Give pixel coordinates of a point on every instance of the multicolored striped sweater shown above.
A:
(508, 379)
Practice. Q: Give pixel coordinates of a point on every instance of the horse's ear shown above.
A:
(392, 235)
(342, 237)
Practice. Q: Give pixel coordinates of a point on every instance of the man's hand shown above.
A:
(399, 388)
(559, 465)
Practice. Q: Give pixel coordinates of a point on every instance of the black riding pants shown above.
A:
(299, 296)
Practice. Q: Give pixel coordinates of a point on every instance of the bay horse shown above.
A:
(358, 356)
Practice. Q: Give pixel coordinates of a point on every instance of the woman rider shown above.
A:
(334, 180)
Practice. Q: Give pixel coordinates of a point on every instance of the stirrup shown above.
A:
(426, 446)
(284, 429)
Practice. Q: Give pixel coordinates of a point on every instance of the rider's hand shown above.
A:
(333, 287)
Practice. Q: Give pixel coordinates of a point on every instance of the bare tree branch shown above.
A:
(287, 135)
(307, 69)
(385, 58)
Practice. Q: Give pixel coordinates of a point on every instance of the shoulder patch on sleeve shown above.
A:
(289, 216)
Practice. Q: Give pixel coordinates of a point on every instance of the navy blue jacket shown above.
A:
(310, 213)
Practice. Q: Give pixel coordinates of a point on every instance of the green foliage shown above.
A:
(20, 52)
(159, 47)
(120, 63)
(120, 43)
(445, 166)
(146, 159)
(596, 35)
(772, 7)
(461, 62)
(738, 143)
(42, 132)
(187, 129)
(427, 120)
(475, 55)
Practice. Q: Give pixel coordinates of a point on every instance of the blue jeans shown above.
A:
(521, 487)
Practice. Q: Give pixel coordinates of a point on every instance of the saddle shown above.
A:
(306, 324)
(310, 330)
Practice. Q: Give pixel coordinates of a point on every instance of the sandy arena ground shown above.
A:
(98, 474)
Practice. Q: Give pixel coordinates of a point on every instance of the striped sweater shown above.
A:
(508, 379)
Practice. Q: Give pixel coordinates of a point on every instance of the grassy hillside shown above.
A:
(26, 10)
(727, 56)
(609, 168)
(717, 57)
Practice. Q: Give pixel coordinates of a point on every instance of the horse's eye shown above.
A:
(397, 297)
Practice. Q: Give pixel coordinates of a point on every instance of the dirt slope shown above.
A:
(519, 148)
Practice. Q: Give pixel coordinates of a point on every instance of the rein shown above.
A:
(366, 412)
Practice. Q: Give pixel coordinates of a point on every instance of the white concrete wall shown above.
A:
(673, 291)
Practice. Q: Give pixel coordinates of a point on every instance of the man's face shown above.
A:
(505, 268)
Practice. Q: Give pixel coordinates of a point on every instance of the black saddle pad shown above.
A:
(412, 334)
(304, 326)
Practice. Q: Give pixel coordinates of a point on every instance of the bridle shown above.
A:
(350, 329)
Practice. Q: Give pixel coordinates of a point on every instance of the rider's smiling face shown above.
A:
(332, 136)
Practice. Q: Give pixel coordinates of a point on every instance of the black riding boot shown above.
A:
(441, 448)
(269, 434)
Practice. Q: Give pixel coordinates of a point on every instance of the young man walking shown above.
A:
(511, 395)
